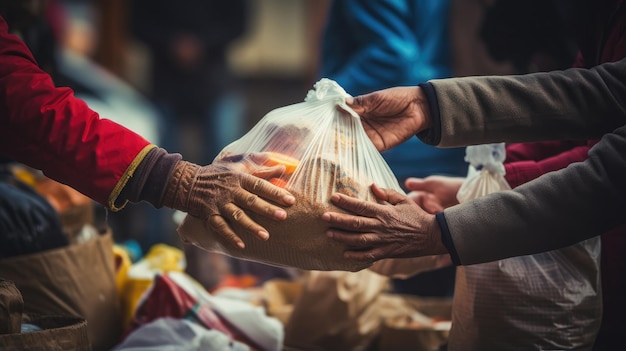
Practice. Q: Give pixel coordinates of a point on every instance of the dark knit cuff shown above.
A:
(446, 238)
(150, 178)
(431, 136)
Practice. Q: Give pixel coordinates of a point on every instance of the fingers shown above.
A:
(249, 201)
(235, 215)
(354, 205)
(356, 104)
(414, 184)
(269, 172)
(429, 202)
(391, 196)
(349, 222)
(267, 190)
(219, 224)
(362, 247)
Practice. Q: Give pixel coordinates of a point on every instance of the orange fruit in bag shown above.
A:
(276, 158)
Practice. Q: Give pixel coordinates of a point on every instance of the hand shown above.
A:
(392, 116)
(395, 228)
(219, 195)
(434, 193)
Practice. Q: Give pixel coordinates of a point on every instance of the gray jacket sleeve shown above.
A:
(560, 208)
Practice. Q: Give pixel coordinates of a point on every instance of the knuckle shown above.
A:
(251, 200)
(357, 223)
(363, 240)
(237, 214)
(217, 222)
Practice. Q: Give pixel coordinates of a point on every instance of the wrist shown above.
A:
(436, 245)
(423, 110)
(179, 186)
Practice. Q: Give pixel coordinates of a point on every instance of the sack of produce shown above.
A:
(314, 149)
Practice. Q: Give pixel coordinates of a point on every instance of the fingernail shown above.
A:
(289, 199)
(330, 234)
(326, 216)
(264, 235)
(241, 245)
(280, 214)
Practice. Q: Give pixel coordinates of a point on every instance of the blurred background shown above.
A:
(194, 75)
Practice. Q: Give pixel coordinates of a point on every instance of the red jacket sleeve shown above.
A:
(49, 129)
(524, 169)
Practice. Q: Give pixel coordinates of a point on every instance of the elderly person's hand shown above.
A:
(392, 116)
(394, 228)
(221, 195)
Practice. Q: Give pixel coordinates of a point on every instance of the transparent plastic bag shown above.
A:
(313, 149)
(546, 301)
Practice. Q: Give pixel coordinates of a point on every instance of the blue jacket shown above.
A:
(369, 45)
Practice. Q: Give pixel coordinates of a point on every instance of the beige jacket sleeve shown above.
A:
(560, 208)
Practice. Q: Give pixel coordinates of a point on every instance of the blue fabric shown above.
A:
(370, 45)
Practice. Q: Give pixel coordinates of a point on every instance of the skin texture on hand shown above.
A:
(392, 116)
(434, 193)
(396, 227)
(221, 196)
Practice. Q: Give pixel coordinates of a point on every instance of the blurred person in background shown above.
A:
(372, 45)
(191, 81)
(46, 127)
(201, 99)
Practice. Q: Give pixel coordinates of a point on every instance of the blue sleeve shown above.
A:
(369, 45)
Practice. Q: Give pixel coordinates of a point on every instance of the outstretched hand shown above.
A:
(392, 116)
(395, 228)
(221, 196)
(434, 193)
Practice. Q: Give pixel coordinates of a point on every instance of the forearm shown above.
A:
(554, 211)
(49, 129)
(572, 104)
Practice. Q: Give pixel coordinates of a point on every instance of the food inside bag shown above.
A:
(313, 149)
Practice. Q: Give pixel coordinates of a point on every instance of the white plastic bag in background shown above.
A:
(486, 171)
(313, 149)
(547, 301)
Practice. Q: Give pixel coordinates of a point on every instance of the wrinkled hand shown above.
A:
(392, 116)
(394, 229)
(434, 193)
(220, 195)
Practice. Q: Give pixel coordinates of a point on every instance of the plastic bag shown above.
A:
(170, 334)
(486, 171)
(313, 149)
(527, 302)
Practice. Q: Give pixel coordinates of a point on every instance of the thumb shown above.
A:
(356, 103)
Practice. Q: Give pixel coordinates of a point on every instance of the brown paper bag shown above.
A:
(77, 280)
(336, 311)
(414, 323)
